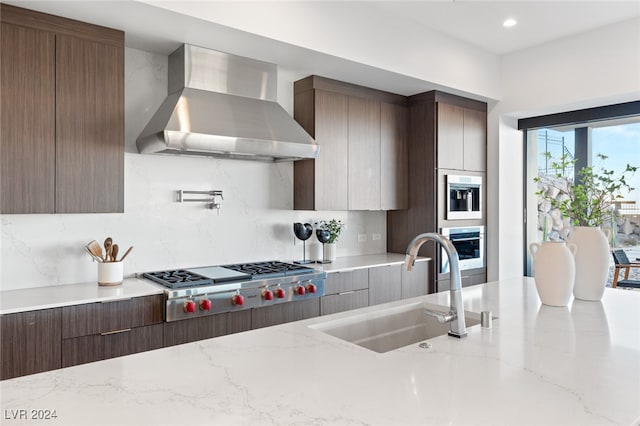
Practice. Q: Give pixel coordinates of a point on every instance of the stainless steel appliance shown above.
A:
(464, 197)
(469, 243)
(224, 105)
(196, 292)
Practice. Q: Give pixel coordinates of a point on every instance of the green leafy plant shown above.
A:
(335, 227)
(589, 201)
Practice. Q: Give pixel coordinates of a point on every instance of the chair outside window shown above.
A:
(622, 262)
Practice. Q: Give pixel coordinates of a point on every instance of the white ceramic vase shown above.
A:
(592, 261)
(554, 271)
(330, 251)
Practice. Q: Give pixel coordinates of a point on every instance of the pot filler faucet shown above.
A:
(456, 312)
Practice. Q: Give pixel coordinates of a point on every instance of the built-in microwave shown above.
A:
(469, 243)
(464, 197)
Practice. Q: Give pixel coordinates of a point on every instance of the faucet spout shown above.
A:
(456, 314)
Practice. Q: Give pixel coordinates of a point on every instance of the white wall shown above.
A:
(597, 68)
(255, 221)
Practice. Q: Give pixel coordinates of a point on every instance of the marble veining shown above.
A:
(537, 365)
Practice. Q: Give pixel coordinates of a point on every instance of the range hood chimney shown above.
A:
(222, 105)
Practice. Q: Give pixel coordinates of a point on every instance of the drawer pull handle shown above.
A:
(346, 292)
(116, 300)
(106, 333)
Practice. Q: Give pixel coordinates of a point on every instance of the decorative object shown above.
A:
(323, 237)
(554, 271)
(335, 227)
(330, 251)
(592, 260)
(303, 232)
(588, 202)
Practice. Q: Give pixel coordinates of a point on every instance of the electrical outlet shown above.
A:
(362, 238)
(376, 237)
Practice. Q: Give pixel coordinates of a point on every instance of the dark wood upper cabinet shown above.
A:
(62, 136)
(362, 163)
(27, 134)
(89, 126)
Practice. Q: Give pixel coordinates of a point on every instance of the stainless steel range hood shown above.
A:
(224, 105)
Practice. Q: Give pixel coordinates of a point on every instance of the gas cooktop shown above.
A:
(211, 275)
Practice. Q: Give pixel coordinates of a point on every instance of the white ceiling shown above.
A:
(480, 22)
(155, 26)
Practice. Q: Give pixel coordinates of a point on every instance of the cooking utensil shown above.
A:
(323, 237)
(107, 247)
(95, 249)
(96, 258)
(125, 253)
(114, 252)
(303, 232)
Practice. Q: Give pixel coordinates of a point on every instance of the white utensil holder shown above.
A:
(110, 273)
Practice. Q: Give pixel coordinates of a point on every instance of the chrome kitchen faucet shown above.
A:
(456, 311)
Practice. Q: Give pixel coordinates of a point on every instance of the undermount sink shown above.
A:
(392, 328)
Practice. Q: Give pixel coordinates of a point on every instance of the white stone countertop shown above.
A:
(55, 296)
(349, 263)
(538, 365)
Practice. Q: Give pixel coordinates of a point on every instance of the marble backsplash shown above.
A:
(254, 223)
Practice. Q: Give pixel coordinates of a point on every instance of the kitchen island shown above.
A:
(536, 365)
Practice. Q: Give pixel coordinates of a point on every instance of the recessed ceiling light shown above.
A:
(510, 22)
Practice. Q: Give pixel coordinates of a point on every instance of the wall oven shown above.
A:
(469, 242)
(464, 197)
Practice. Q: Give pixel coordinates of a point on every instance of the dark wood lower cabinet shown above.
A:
(30, 342)
(385, 284)
(346, 301)
(109, 345)
(415, 282)
(285, 312)
(190, 330)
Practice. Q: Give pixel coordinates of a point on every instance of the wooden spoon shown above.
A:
(114, 253)
(95, 249)
(107, 246)
(126, 253)
(94, 257)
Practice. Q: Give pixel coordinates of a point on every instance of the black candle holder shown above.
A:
(303, 231)
(323, 237)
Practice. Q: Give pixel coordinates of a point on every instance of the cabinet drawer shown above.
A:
(284, 312)
(344, 301)
(81, 350)
(190, 330)
(340, 282)
(96, 318)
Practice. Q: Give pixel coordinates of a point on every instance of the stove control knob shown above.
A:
(267, 294)
(205, 304)
(237, 299)
(300, 290)
(189, 306)
(280, 293)
(311, 288)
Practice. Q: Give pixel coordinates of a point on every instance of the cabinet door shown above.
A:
(385, 284)
(343, 281)
(415, 282)
(475, 140)
(30, 342)
(394, 170)
(364, 154)
(89, 126)
(344, 301)
(190, 330)
(450, 136)
(27, 131)
(331, 133)
(284, 312)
